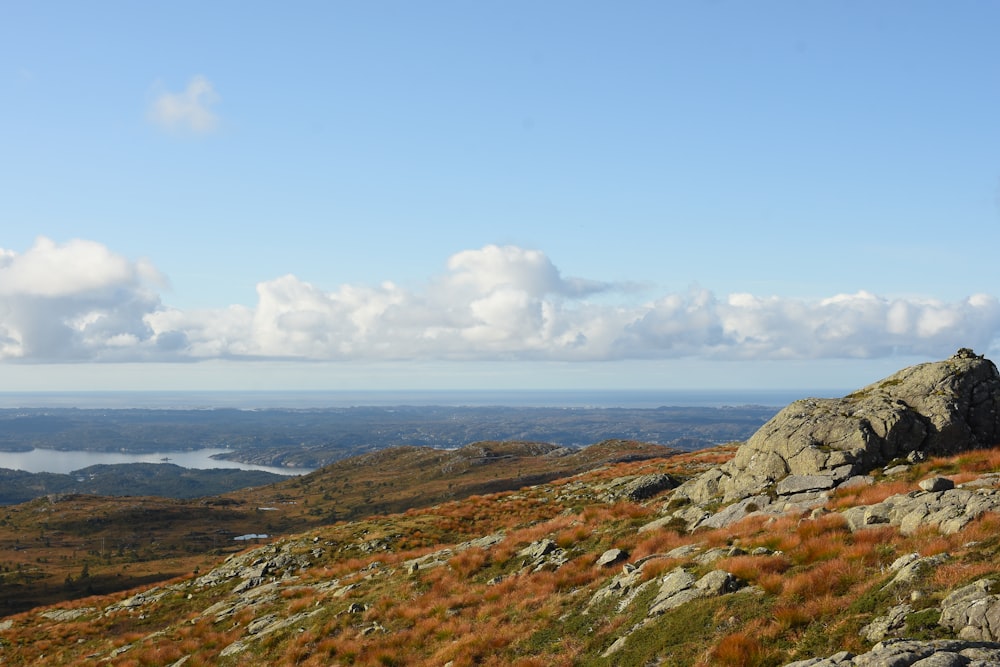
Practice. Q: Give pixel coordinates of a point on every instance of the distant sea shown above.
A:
(250, 400)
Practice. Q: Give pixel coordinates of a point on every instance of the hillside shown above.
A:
(130, 479)
(121, 542)
(859, 531)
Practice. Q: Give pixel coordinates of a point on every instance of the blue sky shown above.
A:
(333, 195)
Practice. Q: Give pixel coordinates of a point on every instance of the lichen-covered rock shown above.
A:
(973, 612)
(636, 487)
(887, 625)
(949, 511)
(937, 408)
(542, 555)
(610, 557)
(679, 587)
(912, 653)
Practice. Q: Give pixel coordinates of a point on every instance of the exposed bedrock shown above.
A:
(933, 408)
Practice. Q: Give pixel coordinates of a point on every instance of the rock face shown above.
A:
(973, 611)
(940, 653)
(934, 408)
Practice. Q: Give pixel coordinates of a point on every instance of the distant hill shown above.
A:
(130, 479)
(312, 438)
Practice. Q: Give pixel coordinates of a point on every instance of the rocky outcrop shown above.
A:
(934, 408)
(676, 588)
(680, 587)
(908, 653)
(948, 510)
(973, 611)
(635, 488)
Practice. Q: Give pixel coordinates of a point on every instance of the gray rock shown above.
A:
(842, 658)
(857, 480)
(543, 555)
(915, 569)
(718, 582)
(937, 484)
(888, 625)
(679, 587)
(611, 556)
(538, 549)
(61, 615)
(972, 612)
(912, 653)
(949, 510)
(937, 408)
(636, 488)
(733, 513)
(803, 483)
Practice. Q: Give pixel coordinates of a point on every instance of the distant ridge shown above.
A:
(319, 399)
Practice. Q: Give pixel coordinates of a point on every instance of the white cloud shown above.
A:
(72, 301)
(189, 110)
(81, 301)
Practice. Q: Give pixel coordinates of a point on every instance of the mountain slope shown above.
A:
(893, 564)
(121, 542)
(533, 577)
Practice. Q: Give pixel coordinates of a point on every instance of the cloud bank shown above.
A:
(80, 301)
(186, 111)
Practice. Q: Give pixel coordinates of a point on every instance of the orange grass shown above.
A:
(870, 495)
(739, 649)
(980, 460)
(953, 575)
(830, 577)
(749, 568)
(658, 542)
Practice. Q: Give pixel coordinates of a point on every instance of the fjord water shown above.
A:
(43, 460)
(57, 461)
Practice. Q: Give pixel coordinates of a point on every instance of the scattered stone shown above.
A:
(914, 569)
(733, 513)
(67, 614)
(259, 624)
(911, 653)
(637, 487)
(542, 555)
(933, 484)
(610, 557)
(679, 587)
(888, 625)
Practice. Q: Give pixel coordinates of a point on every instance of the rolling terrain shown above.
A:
(46, 545)
(556, 574)
(854, 532)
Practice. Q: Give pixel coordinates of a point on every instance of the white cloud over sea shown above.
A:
(81, 301)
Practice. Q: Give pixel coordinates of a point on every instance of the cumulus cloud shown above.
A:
(189, 110)
(81, 301)
(74, 301)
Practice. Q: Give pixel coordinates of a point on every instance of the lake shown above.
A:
(51, 460)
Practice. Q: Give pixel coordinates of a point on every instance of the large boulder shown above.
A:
(936, 408)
